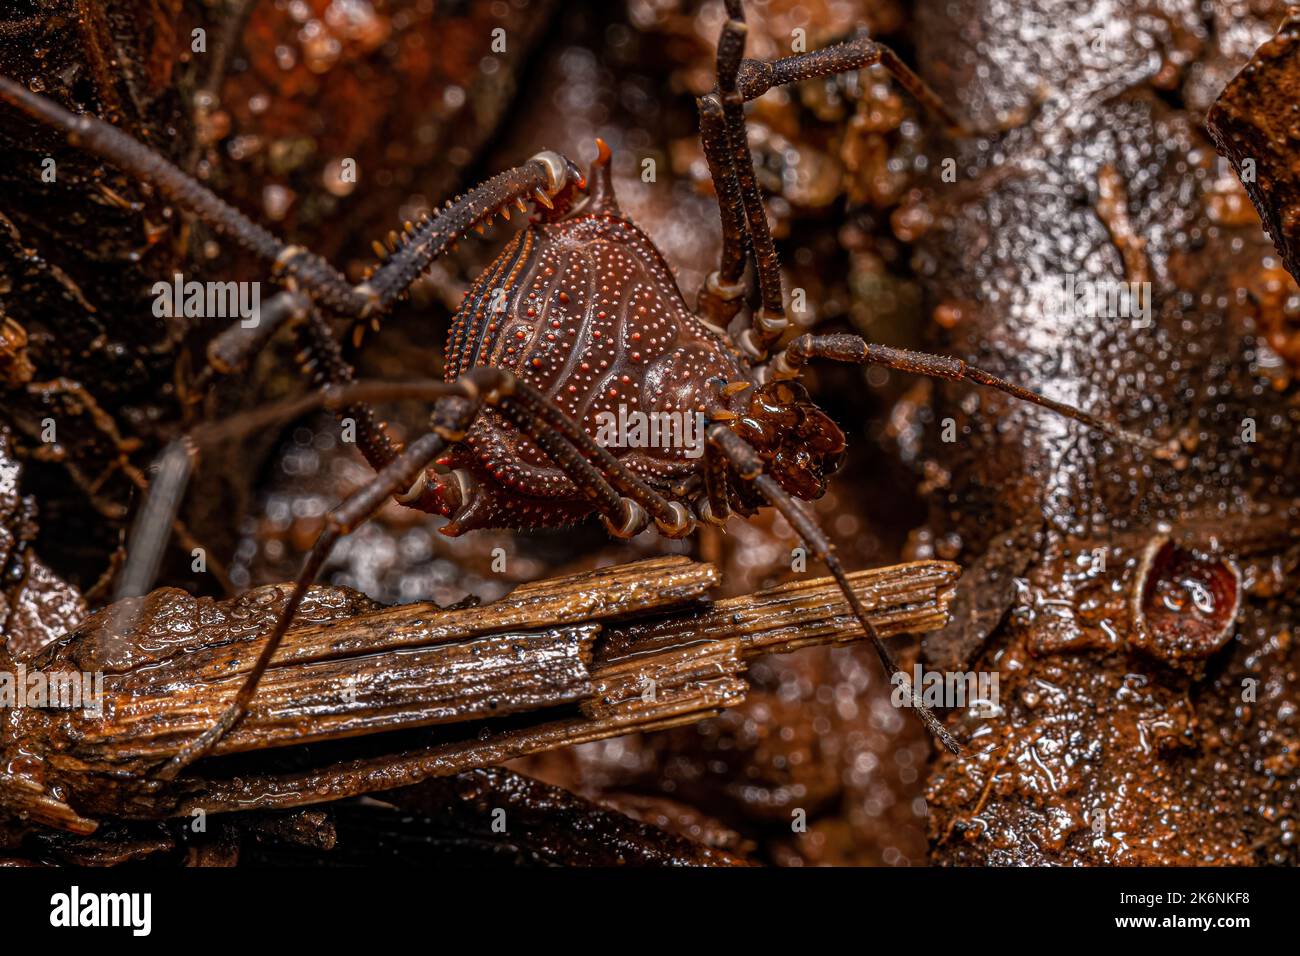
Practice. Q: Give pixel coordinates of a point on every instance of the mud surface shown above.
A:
(1113, 745)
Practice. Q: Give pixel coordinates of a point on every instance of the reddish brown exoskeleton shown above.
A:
(578, 322)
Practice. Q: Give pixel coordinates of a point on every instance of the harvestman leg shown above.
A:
(544, 174)
(306, 275)
(769, 319)
(305, 271)
(726, 147)
(716, 499)
(451, 417)
(842, 347)
(457, 406)
(104, 423)
(310, 281)
(749, 466)
(723, 292)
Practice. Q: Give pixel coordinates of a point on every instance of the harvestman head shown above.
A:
(578, 315)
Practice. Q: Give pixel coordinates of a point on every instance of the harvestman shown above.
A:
(577, 315)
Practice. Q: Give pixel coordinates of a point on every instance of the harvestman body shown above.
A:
(578, 316)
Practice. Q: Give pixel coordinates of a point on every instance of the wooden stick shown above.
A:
(568, 660)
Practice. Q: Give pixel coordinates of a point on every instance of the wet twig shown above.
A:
(397, 695)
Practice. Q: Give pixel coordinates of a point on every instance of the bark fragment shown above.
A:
(1254, 125)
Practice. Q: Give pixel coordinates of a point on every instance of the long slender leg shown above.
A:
(451, 417)
(322, 359)
(541, 177)
(749, 466)
(671, 516)
(769, 319)
(531, 411)
(715, 485)
(538, 179)
(740, 80)
(722, 295)
(850, 348)
(321, 356)
(341, 394)
(109, 143)
(758, 76)
(83, 402)
(545, 175)
(161, 504)
(456, 405)
(500, 388)
(591, 467)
